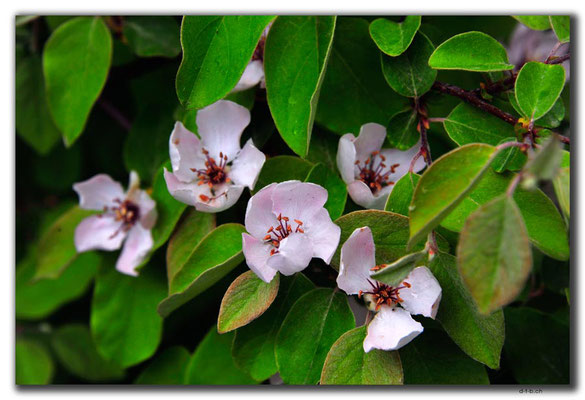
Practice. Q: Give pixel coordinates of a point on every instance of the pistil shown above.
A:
(384, 294)
(276, 234)
(375, 174)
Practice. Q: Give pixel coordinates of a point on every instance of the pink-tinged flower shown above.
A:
(210, 173)
(126, 215)
(369, 171)
(419, 293)
(288, 226)
(254, 72)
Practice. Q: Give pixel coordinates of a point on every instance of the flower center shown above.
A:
(383, 294)
(213, 173)
(282, 230)
(259, 51)
(372, 171)
(128, 212)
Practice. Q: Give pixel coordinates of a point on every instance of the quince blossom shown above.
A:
(288, 226)
(254, 72)
(419, 293)
(126, 216)
(210, 173)
(369, 171)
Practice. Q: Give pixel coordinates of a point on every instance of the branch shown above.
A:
(559, 59)
(115, 114)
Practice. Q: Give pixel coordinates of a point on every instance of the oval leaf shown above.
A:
(538, 86)
(33, 363)
(536, 22)
(561, 24)
(282, 168)
(394, 273)
(336, 188)
(394, 38)
(151, 36)
(401, 195)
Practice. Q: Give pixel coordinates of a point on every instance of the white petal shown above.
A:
(358, 256)
(183, 192)
(98, 232)
(298, 200)
(98, 192)
(257, 253)
(324, 234)
(220, 126)
(225, 197)
(424, 295)
(294, 254)
(147, 207)
(247, 165)
(252, 75)
(403, 159)
(185, 153)
(346, 157)
(391, 329)
(259, 216)
(361, 194)
(136, 247)
(370, 139)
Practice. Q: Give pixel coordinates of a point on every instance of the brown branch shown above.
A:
(559, 59)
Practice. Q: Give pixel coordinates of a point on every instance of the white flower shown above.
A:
(288, 226)
(254, 72)
(211, 173)
(369, 171)
(419, 293)
(129, 216)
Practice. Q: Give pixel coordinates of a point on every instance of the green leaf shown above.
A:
(282, 168)
(212, 363)
(214, 257)
(444, 184)
(466, 124)
(511, 158)
(76, 61)
(425, 362)
(538, 86)
(309, 330)
(168, 368)
(124, 323)
(33, 119)
(33, 363)
(494, 255)
(54, 21)
(394, 273)
(76, 351)
(561, 24)
(336, 188)
(409, 74)
(545, 358)
(151, 36)
(354, 91)
(56, 249)
(324, 148)
(401, 195)
(471, 51)
(554, 117)
(402, 130)
(480, 336)
(295, 60)
(253, 347)
(535, 22)
(562, 185)
(394, 38)
(247, 298)
(545, 163)
(216, 50)
(348, 364)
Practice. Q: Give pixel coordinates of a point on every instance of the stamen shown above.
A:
(277, 233)
(374, 172)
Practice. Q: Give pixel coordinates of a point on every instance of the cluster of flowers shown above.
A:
(287, 223)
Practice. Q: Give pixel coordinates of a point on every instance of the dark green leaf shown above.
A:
(561, 24)
(33, 363)
(151, 36)
(511, 158)
(562, 185)
(545, 163)
(402, 132)
(282, 168)
(538, 86)
(168, 368)
(401, 195)
(394, 273)
(336, 188)
(536, 22)
(394, 38)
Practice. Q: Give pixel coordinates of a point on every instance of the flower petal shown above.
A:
(298, 200)
(424, 295)
(361, 194)
(98, 192)
(185, 153)
(225, 197)
(403, 159)
(346, 154)
(98, 232)
(252, 75)
(370, 139)
(136, 247)
(183, 192)
(324, 234)
(220, 126)
(247, 165)
(358, 256)
(259, 216)
(294, 254)
(147, 207)
(257, 253)
(391, 329)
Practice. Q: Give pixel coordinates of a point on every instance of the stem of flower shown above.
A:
(513, 184)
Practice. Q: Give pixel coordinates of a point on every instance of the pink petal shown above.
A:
(185, 153)
(403, 159)
(257, 253)
(259, 216)
(298, 200)
(98, 192)
(370, 139)
(98, 232)
(324, 234)
(361, 194)
(424, 295)
(183, 192)
(346, 154)
(225, 197)
(358, 256)
(136, 247)
(247, 165)
(391, 329)
(294, 254)
(253, 74)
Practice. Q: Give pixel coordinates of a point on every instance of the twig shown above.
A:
(559, 59)
(115, 114)
(513, 184)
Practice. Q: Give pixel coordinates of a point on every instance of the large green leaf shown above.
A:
(394, 38)
(253, 347)
(409, 74)
(494, 255)
(309, 330)
(33, 119)
(561, 24)
(401, 195)
(151, 36)
(538, 86)
(336, 188)
(480, 336)
(562, 185)
(354, 91)
(295, 60)
(33, 363)
(168, 368)
(348, 364)
(247, 298)
(124, 323)
(471, 51)
(444, 184)
(536, 22)
(214, 257)
(216, 50)
(402, 130)
(76, 61)
(282, 168)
